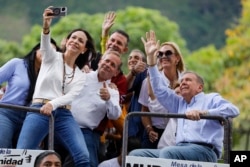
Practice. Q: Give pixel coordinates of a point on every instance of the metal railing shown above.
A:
(33, 109)
(226, 123)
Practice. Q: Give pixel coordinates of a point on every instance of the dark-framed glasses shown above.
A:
(167, 53)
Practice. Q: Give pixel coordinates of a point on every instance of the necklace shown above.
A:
(67, 76)
(70, 75)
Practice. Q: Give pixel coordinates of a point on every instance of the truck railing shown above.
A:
(226, 123)
(33, 109)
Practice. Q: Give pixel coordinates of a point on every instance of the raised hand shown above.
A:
(108, 22)
(47, 19)
(151, 46)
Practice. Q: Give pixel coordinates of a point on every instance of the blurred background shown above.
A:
(214, 37)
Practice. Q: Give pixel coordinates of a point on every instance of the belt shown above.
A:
(43, 101)
(206, 145)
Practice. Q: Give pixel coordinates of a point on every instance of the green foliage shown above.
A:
(237, 44)
(234, 84)
(32, 38)
(201, 22)
(208, 63)
(8, 50)
(225, 71)
(132, 20)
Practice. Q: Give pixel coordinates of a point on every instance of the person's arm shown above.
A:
(150, 91)
(8, 69)
(147, 123)
(144, 100)
(146, 120)
(46, 49)
(159, 86)
(47, 20)
(130, 78)
(106, 25)
(221, 107)
(112, 102)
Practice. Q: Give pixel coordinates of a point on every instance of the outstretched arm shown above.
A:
(108, 22)
(47, 20)
(151, 46)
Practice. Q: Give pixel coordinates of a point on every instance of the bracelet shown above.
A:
(151, 65)
(46, 30)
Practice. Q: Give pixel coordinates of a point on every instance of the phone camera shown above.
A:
(56, 11)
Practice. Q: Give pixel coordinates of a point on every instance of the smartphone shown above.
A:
(58, 11)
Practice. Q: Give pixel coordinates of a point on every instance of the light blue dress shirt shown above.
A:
(204, 130)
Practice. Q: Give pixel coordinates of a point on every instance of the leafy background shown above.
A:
(213, 35)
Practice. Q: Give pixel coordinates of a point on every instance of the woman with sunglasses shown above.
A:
(171, 65)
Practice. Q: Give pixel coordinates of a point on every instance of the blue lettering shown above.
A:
(175, 164)
(5, 151)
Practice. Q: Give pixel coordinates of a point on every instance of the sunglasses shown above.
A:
(167, 53)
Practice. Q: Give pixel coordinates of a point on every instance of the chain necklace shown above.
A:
(65, 75)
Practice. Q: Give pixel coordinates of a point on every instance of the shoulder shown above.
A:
(16, 61)
(212, 94)
(91, 74)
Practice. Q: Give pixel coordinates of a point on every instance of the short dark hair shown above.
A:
(42, 155)
(123, 33)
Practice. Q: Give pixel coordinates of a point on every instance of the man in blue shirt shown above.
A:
(197, 139)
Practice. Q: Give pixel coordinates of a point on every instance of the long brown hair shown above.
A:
(90, 53)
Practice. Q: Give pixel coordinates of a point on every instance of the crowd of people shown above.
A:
(89, 96)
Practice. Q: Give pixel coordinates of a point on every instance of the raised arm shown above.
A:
(47, 20)
(151, 45)
(108, 22)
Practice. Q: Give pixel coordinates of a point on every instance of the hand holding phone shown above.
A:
(58, 11)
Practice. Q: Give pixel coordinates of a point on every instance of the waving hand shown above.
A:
(151, 46)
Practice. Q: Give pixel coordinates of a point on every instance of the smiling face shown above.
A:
(77, 42)
(190, 86)
(117, 42)
(134, 57)
(170, 60)
(109, 65)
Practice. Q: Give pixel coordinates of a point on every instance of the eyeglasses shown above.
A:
(167, 53)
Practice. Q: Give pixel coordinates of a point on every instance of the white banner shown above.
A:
(132, 161)
(18, 157)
